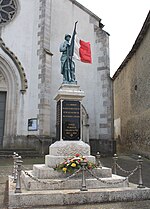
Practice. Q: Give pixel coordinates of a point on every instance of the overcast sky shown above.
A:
(123, 20)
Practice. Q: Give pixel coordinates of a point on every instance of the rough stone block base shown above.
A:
(64, 149)
(69, 148)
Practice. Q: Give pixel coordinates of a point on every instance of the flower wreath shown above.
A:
(74, 163)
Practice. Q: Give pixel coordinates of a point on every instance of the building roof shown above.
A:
(136, 45)
(88, 12)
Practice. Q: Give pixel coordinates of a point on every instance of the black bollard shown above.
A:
(83, 188)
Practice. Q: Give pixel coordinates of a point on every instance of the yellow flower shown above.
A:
(64, 169)
(73, 165)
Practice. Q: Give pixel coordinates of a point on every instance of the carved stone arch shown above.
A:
(18, 64)
(11, 87)
(3, 86)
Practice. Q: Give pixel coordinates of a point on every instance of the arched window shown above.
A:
(8, 9)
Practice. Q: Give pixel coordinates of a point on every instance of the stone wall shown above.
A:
(132, 100)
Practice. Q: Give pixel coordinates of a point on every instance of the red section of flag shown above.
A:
(85, 52)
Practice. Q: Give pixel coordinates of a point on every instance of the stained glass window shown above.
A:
(7, 11)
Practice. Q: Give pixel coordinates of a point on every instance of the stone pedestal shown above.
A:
(68, 127)
(69, 114)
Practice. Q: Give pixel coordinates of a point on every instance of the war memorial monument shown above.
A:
(45, 185)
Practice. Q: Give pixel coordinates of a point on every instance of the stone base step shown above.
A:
(24, 152)
(72, 183)
(41, 171)
(74, 196)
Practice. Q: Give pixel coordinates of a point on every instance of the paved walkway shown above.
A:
(126, 162)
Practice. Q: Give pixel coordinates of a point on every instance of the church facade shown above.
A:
(31, 32)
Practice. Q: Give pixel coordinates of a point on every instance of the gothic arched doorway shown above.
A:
(8, 102)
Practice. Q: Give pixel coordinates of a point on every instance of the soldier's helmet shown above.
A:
(67, 35)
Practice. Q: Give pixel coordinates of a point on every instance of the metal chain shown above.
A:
(105, 182)
(125, 171)
(133, 172)
(25, 167)
(117, 182)
(47, 182)
(69, 177)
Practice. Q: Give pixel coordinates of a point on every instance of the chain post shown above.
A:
(83, 164)
(18, 182)
(115, 158)
(13, 156)
(98, 162)
(14, 173)
(140, 162)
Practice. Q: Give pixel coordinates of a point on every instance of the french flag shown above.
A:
(80, 49)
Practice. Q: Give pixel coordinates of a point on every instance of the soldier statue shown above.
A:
(67, 64)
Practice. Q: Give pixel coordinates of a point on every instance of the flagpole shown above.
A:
(72, 41)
